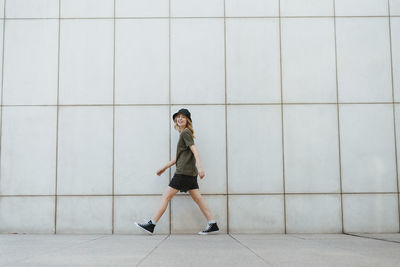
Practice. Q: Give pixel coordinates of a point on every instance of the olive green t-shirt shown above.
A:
(185, 160)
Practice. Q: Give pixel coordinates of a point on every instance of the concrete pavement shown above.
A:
(194, 250)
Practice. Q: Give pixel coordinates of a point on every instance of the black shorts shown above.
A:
(183, 182)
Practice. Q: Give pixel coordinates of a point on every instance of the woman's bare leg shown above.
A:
(166, 197)
(195, 193)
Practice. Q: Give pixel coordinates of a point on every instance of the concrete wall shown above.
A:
(295, 104)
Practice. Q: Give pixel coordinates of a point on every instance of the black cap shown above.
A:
(183, 111)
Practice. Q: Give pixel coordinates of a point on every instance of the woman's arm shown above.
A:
(169, 164)
(198, 161)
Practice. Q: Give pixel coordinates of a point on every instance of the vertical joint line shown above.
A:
(169, 105)
(282, 128)
(338, 118)
(113, 146)
(226, 128)
(57, 117)
(2, 78)
(394, 115)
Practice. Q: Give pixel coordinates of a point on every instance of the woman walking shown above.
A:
(185, 177)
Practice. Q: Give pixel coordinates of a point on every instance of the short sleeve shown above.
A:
(187, 138)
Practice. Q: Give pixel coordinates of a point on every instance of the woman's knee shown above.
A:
(196, 197)
(168, 195)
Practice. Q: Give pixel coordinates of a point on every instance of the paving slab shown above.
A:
(322, 250)
(385, 237)
(105, 250)
(378, 252)
(15, 248)
(195, 250)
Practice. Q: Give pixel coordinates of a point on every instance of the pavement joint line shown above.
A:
(347, 250)
(299, 237)
(52, 251)
(151, 251)
(252, 251)
(370, 237)
(332, 246)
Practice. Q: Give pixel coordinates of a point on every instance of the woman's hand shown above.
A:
(198, 162)
(160, 171)
(201, 173)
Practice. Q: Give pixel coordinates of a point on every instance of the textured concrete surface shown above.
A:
(194, 250)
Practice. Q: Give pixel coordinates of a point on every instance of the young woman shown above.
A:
(185, 177)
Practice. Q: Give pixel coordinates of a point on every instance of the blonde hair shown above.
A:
(189, 125)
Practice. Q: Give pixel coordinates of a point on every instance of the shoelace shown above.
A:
(207, 228)
(145, 223)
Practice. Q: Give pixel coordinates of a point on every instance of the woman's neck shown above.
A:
(181, 129)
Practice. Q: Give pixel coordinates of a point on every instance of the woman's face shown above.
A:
(181, 120)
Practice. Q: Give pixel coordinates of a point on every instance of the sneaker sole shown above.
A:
(210, 233)
(143, 228)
